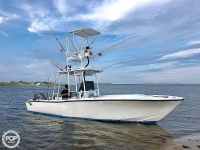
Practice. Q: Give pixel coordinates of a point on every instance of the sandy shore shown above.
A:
(191, 142)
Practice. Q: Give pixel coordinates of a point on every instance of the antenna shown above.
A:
(32, 86)
(100, 53)
(62, 49)
(47, 86)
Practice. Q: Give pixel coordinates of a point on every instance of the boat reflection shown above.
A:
(69, 133)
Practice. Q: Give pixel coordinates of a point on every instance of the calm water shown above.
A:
(45, 132)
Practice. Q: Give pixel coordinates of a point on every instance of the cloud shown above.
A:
(96, 13)
(194, 42)
(168, 30)
(116, 10)
(7, 16)
(1, 20)
(185, 75)
(182, 54)
(61, 5)
(37, 26)
(154, 73)
(36, 64)
(110, 11)
(4, 33)
(35, 10)
(4, 68)
(39, 17)
(146, 67)
(24, 69)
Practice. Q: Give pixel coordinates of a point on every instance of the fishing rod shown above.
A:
(62, 49)
(100, 53)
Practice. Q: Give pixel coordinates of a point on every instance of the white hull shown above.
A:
(134, 108)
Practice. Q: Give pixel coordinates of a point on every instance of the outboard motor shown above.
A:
(39, 96)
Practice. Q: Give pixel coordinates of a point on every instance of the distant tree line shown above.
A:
(24, 83)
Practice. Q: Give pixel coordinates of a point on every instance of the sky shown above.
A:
(166, 50)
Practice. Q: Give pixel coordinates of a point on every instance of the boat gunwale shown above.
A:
(98, 100)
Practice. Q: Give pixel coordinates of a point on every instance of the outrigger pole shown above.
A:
(57, 65)
(62, 49)
(100, 53)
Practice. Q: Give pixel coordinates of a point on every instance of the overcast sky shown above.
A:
(167, 49)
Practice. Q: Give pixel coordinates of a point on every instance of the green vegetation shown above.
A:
(24, 83)
(18, 83)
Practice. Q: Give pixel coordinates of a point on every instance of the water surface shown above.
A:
(45, 132)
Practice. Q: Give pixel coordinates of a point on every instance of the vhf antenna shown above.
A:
(62, 49)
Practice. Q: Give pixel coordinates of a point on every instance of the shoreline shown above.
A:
(191, 142)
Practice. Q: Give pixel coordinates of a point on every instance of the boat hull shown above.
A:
(106, 109)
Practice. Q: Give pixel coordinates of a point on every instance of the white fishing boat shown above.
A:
(84, 99)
